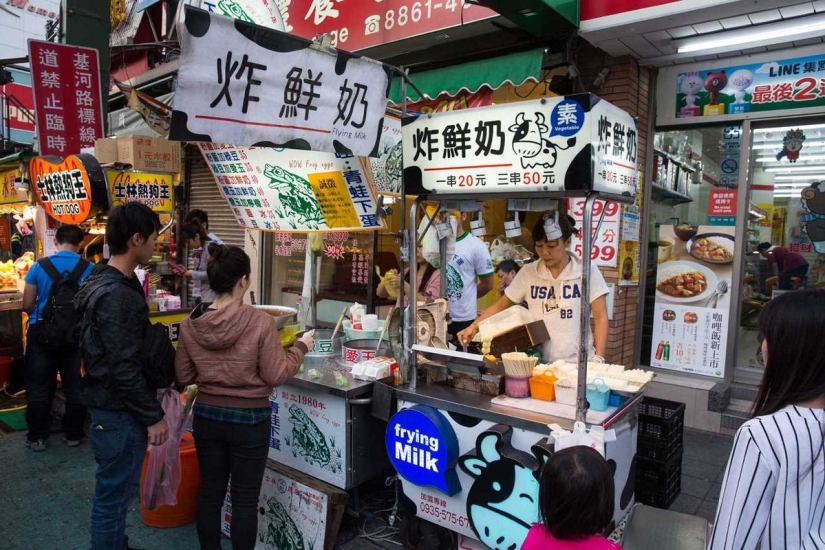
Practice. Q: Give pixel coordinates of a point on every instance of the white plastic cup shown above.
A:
(369, 322)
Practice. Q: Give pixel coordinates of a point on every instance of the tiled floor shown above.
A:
(703, 469)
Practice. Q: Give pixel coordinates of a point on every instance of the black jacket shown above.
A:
(114, 320)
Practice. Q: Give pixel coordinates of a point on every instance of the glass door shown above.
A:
(785, 249)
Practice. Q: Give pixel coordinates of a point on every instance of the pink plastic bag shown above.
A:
(160, 485)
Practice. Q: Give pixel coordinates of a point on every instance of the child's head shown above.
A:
(576, 497)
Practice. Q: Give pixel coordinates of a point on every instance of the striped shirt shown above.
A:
(771, 497)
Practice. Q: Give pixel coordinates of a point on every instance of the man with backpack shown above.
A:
(52, 344)
(123, 354)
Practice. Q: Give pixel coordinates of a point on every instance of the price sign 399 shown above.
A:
(605, 251)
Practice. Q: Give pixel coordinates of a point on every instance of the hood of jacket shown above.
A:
(220, 328)
(102, 275)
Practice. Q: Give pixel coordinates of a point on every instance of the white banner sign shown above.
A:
(289, 190)
(247, 85)
(571, 143)
(388, 165)
(309, 433)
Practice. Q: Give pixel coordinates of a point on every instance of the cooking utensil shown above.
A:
(281, 314)
(340, 320)
(384, 330)
(721, 289)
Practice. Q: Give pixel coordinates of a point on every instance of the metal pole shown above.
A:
(412, 310)
(313, 288)
(584, 322)
(404, 238)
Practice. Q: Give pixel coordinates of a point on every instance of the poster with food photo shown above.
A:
(693, 279)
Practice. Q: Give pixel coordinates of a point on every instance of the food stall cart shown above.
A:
(468, 458)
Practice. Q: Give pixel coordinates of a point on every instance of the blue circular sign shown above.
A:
(566, 119)
(423, 448)
(729, 166)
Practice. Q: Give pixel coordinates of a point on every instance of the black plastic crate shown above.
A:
(661, 428)
(658, 482)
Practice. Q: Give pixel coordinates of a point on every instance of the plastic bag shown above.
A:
(160, 484)
(594, 438)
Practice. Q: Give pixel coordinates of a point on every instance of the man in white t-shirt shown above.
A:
(469, 277)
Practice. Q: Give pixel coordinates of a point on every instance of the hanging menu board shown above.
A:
(690, 323)
(290, 190)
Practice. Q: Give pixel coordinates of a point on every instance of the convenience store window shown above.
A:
(692, 249)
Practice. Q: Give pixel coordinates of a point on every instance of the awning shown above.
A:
(515, 69)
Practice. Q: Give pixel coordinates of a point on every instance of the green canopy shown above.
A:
(514, 68)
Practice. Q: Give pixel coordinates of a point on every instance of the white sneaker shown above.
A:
(36, 446)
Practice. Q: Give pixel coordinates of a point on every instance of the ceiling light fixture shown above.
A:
(812, 177)
(783, 169)
(782, 131)
(808, 158)
(772, 33)
(778, 145)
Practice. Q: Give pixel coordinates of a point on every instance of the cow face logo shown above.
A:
(529, 142)
(502, 503)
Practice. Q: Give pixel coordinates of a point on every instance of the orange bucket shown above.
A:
(5, 369)
(188, 492)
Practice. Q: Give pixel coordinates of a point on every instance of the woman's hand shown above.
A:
(466, 335)
(308, 339)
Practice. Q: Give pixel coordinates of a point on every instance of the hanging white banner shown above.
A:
(248, 85)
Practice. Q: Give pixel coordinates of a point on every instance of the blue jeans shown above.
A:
(119, 444)
(42, 365)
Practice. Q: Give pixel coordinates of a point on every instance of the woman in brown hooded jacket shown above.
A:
(233, 353)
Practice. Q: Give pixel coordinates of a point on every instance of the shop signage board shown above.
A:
(66, 84)
(17, 98)
(387, 167)
(68, 188)
(5, 235)
(605, 251)
(729, 158)
(490, 456)
(171, 320)
(308, 433)
(8, 193)
(355, 24)
(690, 332)
(152, 189)
(722, 207)
(293, 515)
(560, 144)
(247, 85)
(776, 85)
(288, 190)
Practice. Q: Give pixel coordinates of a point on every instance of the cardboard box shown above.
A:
(106, 150)
(149, 153)
(520, 338)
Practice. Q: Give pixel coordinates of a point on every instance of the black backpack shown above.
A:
(59, 327)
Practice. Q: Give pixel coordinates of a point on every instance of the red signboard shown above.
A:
(66, 83)
(593, 9)
(17, 118)
(722, 202)
(358, 24)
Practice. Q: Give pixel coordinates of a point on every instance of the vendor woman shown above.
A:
(551, 287)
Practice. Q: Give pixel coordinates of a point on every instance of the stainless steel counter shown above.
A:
(479, 406)
(327, 384)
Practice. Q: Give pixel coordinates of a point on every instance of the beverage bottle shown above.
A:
(667, 351)
(659, 349)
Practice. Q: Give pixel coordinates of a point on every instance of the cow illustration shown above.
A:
(502, 503)
(791, 145)
(813, 221)
(529, 142)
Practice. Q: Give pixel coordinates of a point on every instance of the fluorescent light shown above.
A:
(786, 128)
(778, 145)
(773, 159)
(812, 168)
(812, 177)
(766, 34)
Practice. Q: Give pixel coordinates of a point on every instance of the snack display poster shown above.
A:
(693, 296)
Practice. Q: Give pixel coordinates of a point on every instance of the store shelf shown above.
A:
(676, 160)
(660, 194)
(756, 213)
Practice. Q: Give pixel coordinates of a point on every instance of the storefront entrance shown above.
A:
(786, 221)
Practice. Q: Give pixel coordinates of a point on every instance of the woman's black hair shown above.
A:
(425, 278)
(763, 246)
(227, 265)
(192, 230)
(793, 324)
(576, 494)
(566, 223)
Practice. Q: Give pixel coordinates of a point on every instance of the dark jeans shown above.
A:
(119, 445)
(785, 282)
(42, 365)
(240, 450)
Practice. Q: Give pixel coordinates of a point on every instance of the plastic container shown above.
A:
(189, 490)
(543, 388)
(598, 394)
(565, 391)
(658, 483)
(517, 386)
(5, 369)
(661, 428)
(355, 334)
